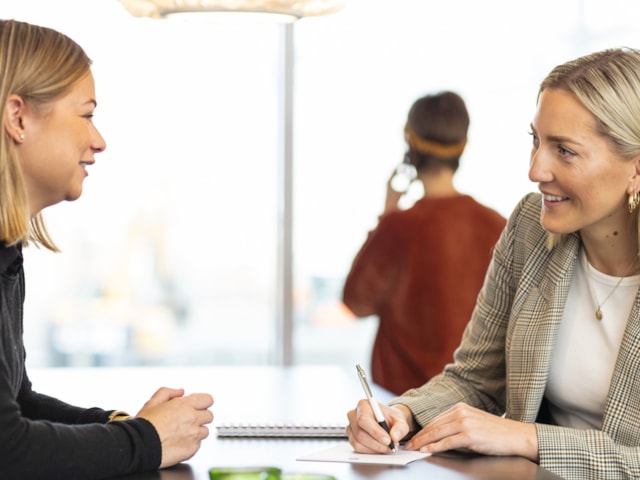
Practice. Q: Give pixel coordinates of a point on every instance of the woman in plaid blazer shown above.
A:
(547, 365)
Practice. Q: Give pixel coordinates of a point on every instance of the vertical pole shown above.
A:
(284, 320)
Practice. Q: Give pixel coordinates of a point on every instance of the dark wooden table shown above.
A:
(256, 394)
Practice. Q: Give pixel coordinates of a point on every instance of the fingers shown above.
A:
(365, 433)
(400, 423)
(198, 404)
(441, 433)
(360, 439)
(200, 400)
(164, 394)
(180, 420)
(204, 416)
(466, 427)
(191, 409)
(460, 427)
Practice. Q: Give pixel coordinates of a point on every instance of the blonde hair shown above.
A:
(607, 83)
(39, 64)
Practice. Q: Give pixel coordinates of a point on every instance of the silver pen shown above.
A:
(374, 405)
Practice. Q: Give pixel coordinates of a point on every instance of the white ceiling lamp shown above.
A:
(277, 10)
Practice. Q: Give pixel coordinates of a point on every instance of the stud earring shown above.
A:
(634, 201)
(21, 135)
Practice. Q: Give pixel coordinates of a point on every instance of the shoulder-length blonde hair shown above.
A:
(40, 65)
(607, 83)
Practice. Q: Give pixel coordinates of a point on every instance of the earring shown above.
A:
(634, 201)
(21, 135)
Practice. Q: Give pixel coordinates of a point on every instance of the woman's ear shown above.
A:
(634, 180)
(636, 164)
(12, 117)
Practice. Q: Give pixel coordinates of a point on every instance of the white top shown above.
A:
(587, 348)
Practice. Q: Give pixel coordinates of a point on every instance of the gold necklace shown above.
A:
(599, 314)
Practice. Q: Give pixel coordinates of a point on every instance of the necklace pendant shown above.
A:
(599, 314)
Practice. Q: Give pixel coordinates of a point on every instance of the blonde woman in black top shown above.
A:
(48, 141)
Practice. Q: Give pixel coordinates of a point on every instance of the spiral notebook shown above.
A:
(284, 430)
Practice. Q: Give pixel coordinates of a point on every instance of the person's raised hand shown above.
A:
(392, 197)
(180, 422)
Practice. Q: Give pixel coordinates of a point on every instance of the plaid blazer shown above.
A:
(503, 361)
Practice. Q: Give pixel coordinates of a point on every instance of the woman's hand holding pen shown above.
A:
(367, 436)
(460, 427)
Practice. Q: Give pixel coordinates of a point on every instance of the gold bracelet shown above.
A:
(118, 416)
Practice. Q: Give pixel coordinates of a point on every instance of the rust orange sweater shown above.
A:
(420, 271)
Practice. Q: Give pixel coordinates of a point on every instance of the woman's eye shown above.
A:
(535, 139)
(564, 152)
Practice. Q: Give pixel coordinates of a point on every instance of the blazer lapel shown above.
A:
(535, 329)
(621, 416)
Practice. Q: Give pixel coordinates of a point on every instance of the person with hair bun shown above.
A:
(420, 269)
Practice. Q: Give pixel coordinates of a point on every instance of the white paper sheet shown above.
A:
(343, 452)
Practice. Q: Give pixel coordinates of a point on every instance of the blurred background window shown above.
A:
(172, 254)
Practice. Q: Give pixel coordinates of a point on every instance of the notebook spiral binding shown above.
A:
(285, 430)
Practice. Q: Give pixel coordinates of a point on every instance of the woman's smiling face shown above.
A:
(582, 179)
(60, 140)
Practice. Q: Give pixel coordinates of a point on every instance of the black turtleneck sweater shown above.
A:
(43, 437)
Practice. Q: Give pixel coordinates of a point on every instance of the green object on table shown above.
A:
(306, 476)
(245, 473)
(262, 473)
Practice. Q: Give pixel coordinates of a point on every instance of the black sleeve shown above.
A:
(37, 406)
(37, 449)
(53, 440)
(44, 438)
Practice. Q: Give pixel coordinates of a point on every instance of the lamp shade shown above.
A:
(289, 8)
